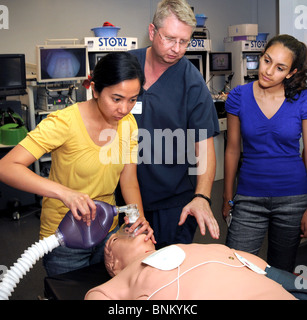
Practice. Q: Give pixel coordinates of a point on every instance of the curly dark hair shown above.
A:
(298, 82)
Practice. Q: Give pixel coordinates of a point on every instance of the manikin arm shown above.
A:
(96, 294)
(120, 287)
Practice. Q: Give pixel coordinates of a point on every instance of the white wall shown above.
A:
(31, 22)
(293, 18)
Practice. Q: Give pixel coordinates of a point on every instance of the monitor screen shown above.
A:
(94, 57)
(199, 60)
(252, 61)
(61, 63)
(220, 63)
(12, 74)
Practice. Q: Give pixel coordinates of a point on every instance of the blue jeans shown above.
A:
(252, 217)
(288, 281)
(63, 259)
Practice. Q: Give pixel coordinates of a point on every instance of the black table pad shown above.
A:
(75, 284)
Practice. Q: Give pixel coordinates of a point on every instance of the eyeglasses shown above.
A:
(170, 42)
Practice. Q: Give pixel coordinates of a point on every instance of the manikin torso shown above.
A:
(209, 281)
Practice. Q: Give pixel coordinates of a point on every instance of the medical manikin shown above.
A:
(192, 271)
(71, 233)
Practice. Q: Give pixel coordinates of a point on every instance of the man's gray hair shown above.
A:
(180, 8)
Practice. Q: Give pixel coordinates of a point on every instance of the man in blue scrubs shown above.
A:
(177, 119)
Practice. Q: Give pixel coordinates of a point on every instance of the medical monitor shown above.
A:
(220, 63)
(12, 75)
(252, 61)
(58, 63)
(94, 57)
(199, 60)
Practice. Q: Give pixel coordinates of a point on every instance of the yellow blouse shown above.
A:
(77, 162)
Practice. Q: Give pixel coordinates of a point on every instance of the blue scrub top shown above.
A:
(180, 106)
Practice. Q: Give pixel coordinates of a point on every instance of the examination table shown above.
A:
(75, 284)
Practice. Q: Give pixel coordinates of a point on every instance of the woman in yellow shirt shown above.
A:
(93, 146)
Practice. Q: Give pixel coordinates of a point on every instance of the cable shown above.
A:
(210, 79)
(179, 276)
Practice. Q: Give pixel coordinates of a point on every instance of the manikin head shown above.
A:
(120, 250)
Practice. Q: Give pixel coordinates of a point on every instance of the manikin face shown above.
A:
(134, 245)
(122, 250)
(172, 29)
(275, 66)
(115, 102)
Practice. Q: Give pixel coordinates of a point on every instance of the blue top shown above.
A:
(272, 165)
(176, 103)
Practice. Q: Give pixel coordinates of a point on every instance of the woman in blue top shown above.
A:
(270, 115)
